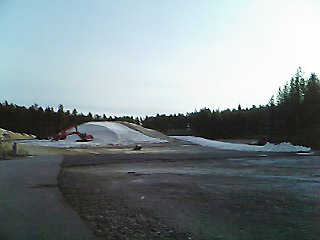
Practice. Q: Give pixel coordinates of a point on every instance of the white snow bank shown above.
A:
(269, 147)
(6, 135)
(104, 133)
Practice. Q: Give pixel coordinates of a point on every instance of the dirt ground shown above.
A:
(191, 192)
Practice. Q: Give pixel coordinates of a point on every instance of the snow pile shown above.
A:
(104, 133)
(6, 135)
(269, 147)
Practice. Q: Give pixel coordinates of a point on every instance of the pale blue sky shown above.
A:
(143, 57)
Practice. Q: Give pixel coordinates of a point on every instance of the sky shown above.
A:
(142, 57)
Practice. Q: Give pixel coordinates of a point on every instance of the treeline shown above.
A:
(213, 124)
(47, 122)
(294, 115)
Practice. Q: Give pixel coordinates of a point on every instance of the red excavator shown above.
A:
(63, 135)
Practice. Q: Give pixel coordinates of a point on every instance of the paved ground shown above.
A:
(198, 193)
(180, 192)
(31, 205)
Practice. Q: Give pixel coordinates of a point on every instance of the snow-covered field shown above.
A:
(104, 133)
(269, 147)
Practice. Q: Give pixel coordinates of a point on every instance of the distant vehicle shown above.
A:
(84, 137)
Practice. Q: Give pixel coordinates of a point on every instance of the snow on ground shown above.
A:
(269, 147)
(104, 133)
(6, 135)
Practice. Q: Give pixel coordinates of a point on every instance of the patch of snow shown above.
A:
(6, 135)
(104, 133)
(304, 153)
(269, 147)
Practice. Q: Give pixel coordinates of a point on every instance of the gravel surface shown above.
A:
(108, 213)
(197, 194)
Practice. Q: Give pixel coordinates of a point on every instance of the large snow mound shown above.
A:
(269, 147)
(104, 133)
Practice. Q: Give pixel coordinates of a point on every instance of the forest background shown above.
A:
(293, 115)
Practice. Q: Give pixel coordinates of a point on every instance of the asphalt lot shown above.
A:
(31, 205)
(193, 192)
